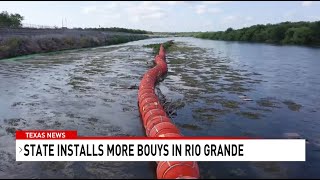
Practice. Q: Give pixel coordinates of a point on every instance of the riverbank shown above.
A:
(25, 42)
(285, 33)
(217, 88)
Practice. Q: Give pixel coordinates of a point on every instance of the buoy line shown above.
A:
(158, 124)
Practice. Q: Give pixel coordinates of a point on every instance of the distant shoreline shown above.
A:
(285, 33)
(19, 42)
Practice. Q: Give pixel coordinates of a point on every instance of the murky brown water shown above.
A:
(216, 87)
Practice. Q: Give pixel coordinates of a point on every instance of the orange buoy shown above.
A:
(143, 96)
(156, 120)
(163, 128)
(152, 113)
(148, 80)
(147, 76)
(147, 95)
(158, 124)
(177, 170)
(170, 135)
(148, 100)
(146, 86)
(148, 107)
(142, 91)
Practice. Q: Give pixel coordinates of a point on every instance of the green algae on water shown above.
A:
(189, 126)
(292, 105)
(250, 115)
(267, 102)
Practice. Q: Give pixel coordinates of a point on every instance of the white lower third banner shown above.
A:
(160, 149)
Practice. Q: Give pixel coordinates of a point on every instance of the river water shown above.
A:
(217, 88)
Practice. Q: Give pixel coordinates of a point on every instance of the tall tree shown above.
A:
(10, 20)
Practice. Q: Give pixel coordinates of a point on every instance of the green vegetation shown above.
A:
(29, 42)
(17, 46)
(267, 102)
(11, 46)
(250, 115)
(117, 29)
(156, 47)
(176, 34)
(299, 33)
(183, 48)
(10, 20)
(189, 126)
(292, 105)
(230, 104)
(170, 46)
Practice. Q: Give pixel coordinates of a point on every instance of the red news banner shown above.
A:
(48, 134)
(66, 145)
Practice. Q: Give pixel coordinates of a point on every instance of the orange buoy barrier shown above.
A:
(157, 123)
(177, 170)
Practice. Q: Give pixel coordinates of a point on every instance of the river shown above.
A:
(218, 88)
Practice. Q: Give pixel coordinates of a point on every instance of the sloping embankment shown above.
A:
(25, 41)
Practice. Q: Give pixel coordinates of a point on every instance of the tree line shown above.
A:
(10, 20)
(117, 29)
(299, 33)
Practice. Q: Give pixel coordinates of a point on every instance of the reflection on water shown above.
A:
(222, 88)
